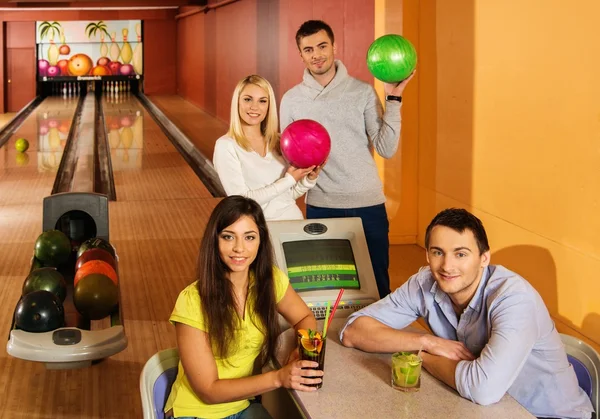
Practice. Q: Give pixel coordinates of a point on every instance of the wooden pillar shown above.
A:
(2, 66)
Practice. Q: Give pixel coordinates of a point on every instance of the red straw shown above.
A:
(339, 297)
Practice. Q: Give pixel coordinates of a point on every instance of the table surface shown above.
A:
(358, 384)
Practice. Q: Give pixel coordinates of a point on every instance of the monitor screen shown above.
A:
(321, 264)
(322, 256)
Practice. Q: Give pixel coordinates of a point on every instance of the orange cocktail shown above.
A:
(311, 345)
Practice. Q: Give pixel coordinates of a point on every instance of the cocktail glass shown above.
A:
(406, 371)
(311, 346)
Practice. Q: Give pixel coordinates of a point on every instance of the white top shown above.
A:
(263, 179)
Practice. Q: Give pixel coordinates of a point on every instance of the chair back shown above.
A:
(156, 380)
(586, 363)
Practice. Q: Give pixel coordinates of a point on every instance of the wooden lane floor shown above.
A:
(202, 129)
(25, 178)
(157, 251)
(156, 225)
(146, 165)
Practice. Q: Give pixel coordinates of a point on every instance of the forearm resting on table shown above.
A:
(370, 335)
(443, 369)
(230, 390)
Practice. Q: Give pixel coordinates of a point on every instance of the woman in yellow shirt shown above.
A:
(228, 318)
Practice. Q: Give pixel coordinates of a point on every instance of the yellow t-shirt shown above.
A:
(248, 339)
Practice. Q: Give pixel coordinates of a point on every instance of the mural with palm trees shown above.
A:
(94, 48)
(50, 29)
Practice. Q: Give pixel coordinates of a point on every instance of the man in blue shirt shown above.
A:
(492, 333)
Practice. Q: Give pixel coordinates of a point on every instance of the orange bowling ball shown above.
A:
(95, 254)
(96, 267)
(100, 70)
(80, 65)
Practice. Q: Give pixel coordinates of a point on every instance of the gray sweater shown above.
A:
(352, 114)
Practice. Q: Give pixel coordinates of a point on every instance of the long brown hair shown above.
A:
(216, 291)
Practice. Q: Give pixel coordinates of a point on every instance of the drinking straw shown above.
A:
(337, 301)
(326, 319)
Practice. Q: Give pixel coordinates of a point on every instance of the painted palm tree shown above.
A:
(93, 28)
(51, 29)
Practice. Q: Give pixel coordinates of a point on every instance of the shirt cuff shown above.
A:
(308, 183)
(288, 181)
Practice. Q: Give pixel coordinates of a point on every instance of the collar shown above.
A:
(475, 303)
(341, 73)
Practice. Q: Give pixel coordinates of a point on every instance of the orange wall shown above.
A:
(218, 48)
(509, 129)
(399, 173)
(160, 35)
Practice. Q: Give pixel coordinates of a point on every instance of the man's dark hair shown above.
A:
(459, 220)
(311, 27)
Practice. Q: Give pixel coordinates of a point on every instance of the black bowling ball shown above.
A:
(39, 311)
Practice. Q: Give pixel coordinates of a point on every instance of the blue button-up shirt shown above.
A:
(509, 330)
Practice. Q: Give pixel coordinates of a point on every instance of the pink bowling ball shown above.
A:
(43, 67)
(305, 143)
(53, 71)
(126, 70)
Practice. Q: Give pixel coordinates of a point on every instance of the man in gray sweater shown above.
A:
(349, 185)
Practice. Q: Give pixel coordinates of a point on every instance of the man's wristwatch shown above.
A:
(396, 98)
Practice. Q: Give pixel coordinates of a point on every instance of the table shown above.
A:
(358, 385)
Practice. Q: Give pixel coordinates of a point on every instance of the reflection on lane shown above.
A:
(124, 118)
(52, 138)
(46, 130)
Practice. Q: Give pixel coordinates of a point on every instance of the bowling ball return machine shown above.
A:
(81, 341)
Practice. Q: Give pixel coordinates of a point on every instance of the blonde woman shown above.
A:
(248, 160)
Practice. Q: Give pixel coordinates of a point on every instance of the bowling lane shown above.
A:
(146, 165)
(26, 178)
(201, 128)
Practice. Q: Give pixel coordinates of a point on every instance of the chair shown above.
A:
(156, 380)
(586, 363)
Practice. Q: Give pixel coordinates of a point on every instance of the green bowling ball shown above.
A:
(22, 145)
(96, 243)
(391, 58)
(47, 279)
(52, 248)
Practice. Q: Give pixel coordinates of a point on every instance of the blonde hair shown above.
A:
(268, 127)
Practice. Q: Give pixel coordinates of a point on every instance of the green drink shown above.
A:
(406, 371)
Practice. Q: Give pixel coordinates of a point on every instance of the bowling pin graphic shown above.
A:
(126, 52)
(138, 62)
(103, 46)
(53, 52)
(115, 51)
